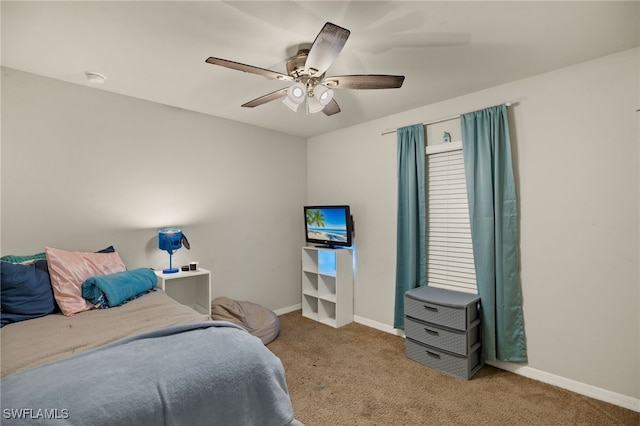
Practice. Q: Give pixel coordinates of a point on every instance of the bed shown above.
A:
(149, 361)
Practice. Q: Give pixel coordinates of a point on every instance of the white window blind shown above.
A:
(449, 250)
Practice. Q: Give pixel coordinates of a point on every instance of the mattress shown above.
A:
(151, 361)
(39, 341)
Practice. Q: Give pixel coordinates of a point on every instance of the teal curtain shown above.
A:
(411, 260)
(493, 214)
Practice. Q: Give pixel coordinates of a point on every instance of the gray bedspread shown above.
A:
(209, 373)
(39, 341)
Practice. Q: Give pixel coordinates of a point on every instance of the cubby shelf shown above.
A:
(327, 285)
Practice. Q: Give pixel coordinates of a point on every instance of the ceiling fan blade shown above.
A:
(325, 48)
(331, 108)
(364, 81)
(248, 68)
(266, 98)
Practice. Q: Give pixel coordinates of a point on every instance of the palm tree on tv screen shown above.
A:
(315, 216)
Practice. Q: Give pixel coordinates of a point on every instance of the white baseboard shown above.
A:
(572, 385)
(532, 373)
(378, 326)
(288, 309)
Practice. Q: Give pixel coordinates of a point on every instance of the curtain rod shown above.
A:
(442, 120)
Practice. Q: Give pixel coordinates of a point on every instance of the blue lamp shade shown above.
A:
(170, 240)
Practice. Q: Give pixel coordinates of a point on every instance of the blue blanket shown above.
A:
(115, 289)
(212, 373)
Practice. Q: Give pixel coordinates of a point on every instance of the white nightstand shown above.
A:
(191, 288)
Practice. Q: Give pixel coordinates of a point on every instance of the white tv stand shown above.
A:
(327, 285)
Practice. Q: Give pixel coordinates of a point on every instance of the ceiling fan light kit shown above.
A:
(295, 96)
(320, 98)
(307, 70)
(323, 94)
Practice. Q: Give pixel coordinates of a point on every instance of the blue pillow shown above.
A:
(109, 249)
(26, 293)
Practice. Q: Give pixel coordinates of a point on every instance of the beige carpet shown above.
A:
(356, 375)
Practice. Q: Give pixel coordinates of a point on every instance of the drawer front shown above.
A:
(436, 314)
(455, 365)
(459, 342)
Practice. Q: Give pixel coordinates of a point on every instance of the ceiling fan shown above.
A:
(307, 72)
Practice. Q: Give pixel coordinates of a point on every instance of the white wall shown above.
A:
(83, 169)
(575, 146)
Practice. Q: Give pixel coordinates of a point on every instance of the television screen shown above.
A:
(329, 226)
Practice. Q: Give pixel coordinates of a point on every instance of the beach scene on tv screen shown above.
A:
(327, 225)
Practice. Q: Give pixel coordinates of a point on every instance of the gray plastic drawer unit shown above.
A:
(443, 330)
(461, 366)
(459, 342)
(443, 307)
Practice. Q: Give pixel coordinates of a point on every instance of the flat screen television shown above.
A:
(328, 226)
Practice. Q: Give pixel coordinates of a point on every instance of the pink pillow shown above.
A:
(69, 269)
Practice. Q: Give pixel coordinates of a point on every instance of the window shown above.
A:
(449, 249)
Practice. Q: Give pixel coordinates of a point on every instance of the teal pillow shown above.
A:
(23, 259)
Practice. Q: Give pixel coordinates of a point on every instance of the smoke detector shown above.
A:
(94, 77)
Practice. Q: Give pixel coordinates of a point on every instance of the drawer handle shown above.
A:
(432, 332)
(431, 308)
(433, 354)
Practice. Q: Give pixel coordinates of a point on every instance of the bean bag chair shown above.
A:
(257, 320)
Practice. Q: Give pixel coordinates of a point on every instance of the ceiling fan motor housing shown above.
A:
(295, 64)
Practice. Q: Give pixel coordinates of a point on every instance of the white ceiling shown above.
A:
(156, 50)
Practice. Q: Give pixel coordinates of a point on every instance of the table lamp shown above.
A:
(170, 240)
